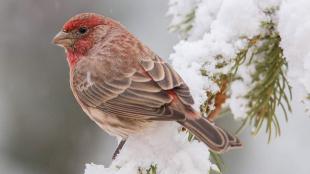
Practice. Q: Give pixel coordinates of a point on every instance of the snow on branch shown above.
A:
(162, 149)
(294, 29)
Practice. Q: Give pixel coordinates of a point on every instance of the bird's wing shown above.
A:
(167, 78)
(134, 94)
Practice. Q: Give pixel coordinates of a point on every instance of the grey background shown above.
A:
(43, 130)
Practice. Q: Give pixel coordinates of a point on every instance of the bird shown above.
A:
(124, 87)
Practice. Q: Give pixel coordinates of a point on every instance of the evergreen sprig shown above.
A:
(270, 85)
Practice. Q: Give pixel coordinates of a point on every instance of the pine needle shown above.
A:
(270, 85)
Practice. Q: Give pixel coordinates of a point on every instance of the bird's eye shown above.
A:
(82, 30)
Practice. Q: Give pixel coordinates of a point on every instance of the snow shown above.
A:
(294, 31)
(205, 15)
(180, 10)
(163, 145)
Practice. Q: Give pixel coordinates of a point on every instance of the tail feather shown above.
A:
(214, 137)
(234, 141)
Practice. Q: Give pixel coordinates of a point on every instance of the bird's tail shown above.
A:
(214, 137)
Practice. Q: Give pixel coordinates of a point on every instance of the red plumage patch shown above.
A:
(87, 20)
(172, 94)
(72, 58)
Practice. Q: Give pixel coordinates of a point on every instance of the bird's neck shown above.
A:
(72, 58)
(80, 48)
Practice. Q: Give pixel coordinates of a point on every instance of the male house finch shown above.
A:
(124, 87)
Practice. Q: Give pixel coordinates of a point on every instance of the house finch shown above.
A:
(124, 87)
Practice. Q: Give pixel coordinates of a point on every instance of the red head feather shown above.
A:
(85, 19)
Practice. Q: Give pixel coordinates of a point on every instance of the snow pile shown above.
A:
(294, 27)
(162, 145)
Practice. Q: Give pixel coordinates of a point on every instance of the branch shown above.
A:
(220, 99)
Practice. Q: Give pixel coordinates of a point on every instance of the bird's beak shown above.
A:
(63, 39)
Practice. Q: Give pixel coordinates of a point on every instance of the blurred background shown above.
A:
(44, 131)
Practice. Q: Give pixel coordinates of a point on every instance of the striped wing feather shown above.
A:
(167, 78)
(139, 95)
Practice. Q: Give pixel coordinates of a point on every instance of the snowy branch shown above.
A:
(165, 146)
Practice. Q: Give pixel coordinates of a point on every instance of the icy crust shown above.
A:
(162, 145)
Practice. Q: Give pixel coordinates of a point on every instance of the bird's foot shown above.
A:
(119, 148)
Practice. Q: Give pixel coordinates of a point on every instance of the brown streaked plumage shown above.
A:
(124, 87)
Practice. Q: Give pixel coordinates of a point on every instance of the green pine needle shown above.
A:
(217, 159)
(271, 89)
(152, 169)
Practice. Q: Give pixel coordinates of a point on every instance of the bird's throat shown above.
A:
(72, 58)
